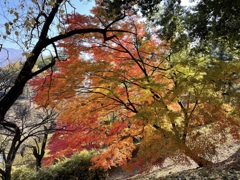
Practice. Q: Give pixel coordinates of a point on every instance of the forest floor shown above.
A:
(227, 166)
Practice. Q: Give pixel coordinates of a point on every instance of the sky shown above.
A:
(187, 3)
(81, 7)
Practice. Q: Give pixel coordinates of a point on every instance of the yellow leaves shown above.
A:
(7, 28)
(188, 67)
(63, 32)
(33, 21)
(51, 3)
(29, 23)
(145, 96)
(27, 55)
(16, 15)
(11, 11)
(62, 11)
(165, 123)
(58, 26)
(34, 1)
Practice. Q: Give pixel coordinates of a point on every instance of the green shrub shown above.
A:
(72, 169)
(47, 174)
(23, 173)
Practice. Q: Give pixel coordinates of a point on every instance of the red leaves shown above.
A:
(74, 137)
(79, 21)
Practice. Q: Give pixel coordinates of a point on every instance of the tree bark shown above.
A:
(12, 153)
(181, 144)
(39, 154)
(201, 162)
(8, 170)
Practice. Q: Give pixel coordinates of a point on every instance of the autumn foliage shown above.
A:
(136, 101)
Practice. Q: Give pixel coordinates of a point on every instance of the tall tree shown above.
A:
(164, 102)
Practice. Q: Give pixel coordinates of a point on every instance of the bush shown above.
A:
(75, 168)
(23, 173)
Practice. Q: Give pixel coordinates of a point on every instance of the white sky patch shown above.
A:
(188, 2)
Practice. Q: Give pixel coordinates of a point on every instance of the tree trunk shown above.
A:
(181, 144)
(201, 162)
(8, 169)
(2, 172)
(12, 152)
(39, 153)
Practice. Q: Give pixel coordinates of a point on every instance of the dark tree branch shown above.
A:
(26, 72)
(44, 68)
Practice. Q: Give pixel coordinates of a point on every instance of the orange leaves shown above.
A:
(136, 128)
(117, 154)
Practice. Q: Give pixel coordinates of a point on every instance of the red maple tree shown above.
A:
(136, 101)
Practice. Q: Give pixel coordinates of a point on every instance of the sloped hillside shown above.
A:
(227, 167)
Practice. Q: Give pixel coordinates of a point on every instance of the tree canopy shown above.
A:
(139, 94)
(140, 81)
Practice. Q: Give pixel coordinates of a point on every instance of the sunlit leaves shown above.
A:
(145, 99)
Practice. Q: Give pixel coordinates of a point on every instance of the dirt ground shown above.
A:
(227, 167)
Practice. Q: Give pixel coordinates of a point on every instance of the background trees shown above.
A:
(23, 127)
